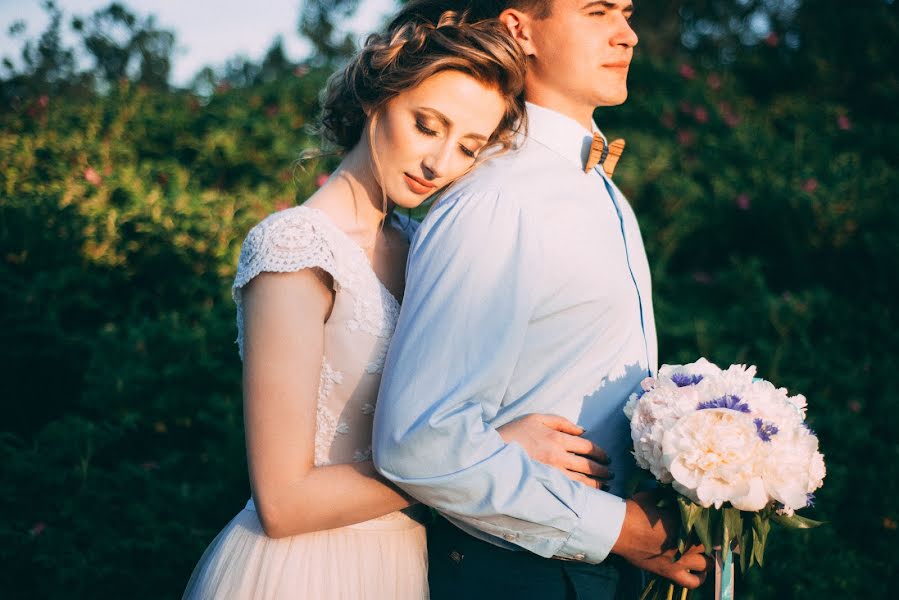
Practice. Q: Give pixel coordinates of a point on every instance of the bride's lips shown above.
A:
(418, 186)
(622, 64)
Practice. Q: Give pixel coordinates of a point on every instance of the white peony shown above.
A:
(711, 455)
(792, 467)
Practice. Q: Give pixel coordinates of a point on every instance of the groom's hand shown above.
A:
(648, 539)
(556, 441)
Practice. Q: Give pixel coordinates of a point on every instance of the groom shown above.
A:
(528, 290)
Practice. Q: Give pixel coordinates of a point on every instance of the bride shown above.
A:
(317, 290)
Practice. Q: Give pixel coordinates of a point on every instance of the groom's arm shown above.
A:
(469, 299)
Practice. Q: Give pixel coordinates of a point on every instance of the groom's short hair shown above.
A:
(477, 10)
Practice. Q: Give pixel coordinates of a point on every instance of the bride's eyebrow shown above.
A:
(447, 122)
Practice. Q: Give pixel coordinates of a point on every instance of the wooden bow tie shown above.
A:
(607, 156)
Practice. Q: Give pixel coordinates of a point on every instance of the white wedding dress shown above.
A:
(381, 559)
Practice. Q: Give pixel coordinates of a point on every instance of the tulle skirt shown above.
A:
(382, 559)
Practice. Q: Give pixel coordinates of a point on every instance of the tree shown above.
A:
(317, 24)
(124, 47)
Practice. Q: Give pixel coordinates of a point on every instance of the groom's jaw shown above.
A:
(580, 54)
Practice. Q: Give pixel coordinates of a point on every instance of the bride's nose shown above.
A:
(436, 162)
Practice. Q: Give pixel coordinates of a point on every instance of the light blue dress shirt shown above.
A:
(528, 291)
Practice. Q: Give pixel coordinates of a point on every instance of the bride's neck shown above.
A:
(355, 197)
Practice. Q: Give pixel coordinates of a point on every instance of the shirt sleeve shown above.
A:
(469, 299)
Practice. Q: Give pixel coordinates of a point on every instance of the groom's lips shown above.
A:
(418, 186)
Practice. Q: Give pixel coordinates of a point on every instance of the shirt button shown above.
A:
(579, 556)
(511, 537)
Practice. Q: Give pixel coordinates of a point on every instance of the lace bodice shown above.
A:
(357, 332)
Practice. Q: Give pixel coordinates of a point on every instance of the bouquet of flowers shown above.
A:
(737, 453)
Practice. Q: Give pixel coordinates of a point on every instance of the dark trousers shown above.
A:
(461, 567)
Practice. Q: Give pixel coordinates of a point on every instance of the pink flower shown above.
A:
(667, 120)
(282, 204)
(321, 179)
(687, 72)
(810, 185)
(301, 70)
(38, 528)
(772, 40)
(855, 406)
(685, 137)
(743, 201)
(92, 177)
(843, 123)
(730, 119)
(701, 115)
(713, 81)
(43, 101)
(685, 107)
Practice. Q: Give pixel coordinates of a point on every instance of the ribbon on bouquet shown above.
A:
(724, 575)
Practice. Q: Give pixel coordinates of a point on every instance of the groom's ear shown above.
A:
(519, 25)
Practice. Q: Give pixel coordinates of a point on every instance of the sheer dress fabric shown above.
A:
(378, 559)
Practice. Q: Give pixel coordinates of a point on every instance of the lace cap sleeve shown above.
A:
(284, 242)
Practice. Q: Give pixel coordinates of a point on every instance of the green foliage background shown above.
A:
(765, 187)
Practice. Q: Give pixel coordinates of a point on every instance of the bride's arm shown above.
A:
(284, 316)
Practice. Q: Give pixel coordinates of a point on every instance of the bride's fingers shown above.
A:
(584, 447)
(561, 424)
(581, 464)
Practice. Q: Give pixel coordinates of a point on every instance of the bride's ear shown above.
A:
(519, 26)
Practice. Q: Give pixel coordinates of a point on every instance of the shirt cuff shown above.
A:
(598, 529)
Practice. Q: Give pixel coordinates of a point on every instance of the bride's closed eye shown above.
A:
(432, 133)
(424, 128)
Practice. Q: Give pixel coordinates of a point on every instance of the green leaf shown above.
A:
(703, 529)
(689, 512)
(745, 541)
(733, 528)
(760, 527)
(796, 522)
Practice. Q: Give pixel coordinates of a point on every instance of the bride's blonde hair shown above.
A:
(409, 52)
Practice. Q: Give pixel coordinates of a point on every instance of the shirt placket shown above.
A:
(627, 253)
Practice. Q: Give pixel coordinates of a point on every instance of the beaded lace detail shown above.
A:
(326, 425)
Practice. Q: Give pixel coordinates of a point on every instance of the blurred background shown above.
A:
(139, 143)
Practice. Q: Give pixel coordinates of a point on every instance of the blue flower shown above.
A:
(809, 500)
(726, 401)
(765, 430)
(683, 380)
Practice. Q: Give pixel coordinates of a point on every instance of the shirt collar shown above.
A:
(561, 134)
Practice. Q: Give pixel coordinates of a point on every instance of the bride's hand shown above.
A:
(556, 441)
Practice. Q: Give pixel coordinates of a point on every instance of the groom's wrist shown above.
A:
(599, 526)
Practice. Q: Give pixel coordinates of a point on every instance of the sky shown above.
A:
(208, 32)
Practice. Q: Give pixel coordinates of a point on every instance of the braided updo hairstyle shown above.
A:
(414, 49)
